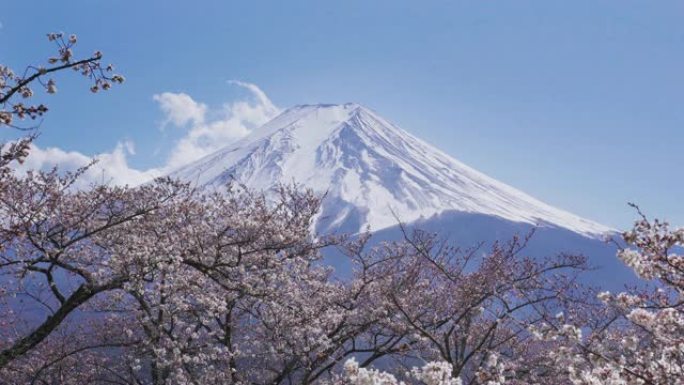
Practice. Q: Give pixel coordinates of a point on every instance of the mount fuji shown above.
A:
(374, 173)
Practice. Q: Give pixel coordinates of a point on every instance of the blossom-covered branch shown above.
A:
(13, 85)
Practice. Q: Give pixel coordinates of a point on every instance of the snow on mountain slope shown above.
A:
(373, 172)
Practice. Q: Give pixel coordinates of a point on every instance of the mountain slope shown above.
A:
(374, 173)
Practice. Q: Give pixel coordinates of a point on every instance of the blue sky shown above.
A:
(579, 103)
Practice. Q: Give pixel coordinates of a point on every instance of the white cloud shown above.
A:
(110, 167)
(206, 131)
(180, 109)
(232, 121)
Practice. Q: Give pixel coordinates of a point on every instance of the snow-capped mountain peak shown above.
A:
(374, 173)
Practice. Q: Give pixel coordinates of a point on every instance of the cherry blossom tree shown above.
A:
(163, 284)
(61, 248)
(641, 338)
(242, 263)
(468, 310)
(228, 286)
(183, 285)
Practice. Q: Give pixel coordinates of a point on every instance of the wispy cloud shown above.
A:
(205, 131)
(180, 109)
(205, 134)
